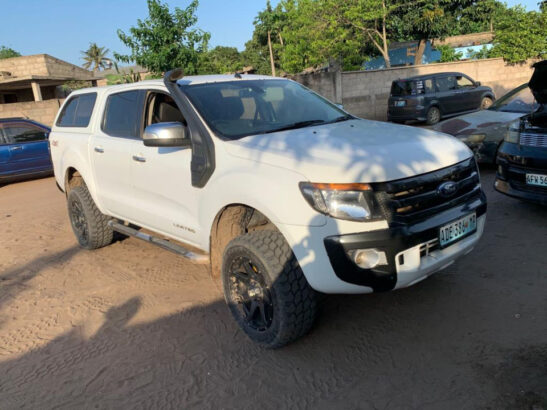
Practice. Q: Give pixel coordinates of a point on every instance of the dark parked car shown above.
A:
(522, 158)
(483, 131)
(434, 96)
(24, 149)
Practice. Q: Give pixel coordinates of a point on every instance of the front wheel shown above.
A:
(88, 223)
(433, 116)
(486, 103)
(265, 289)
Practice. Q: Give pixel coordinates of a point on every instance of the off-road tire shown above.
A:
(433, 116)
(88, 223)
(293, 304)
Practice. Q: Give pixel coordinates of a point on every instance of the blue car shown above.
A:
(24, 149)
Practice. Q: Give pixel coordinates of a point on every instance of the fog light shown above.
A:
(367, 258)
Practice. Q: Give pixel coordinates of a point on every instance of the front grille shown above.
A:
(412, 199)
(533, 140)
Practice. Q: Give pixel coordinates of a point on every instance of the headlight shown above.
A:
(472, 138)
(513, 132)
(354, 202)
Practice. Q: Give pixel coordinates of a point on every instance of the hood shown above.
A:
(477, 122)
(538, 82)
(353, 151)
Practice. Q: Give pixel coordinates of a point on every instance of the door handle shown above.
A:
(17, 148)
(138, 158)
(100, 150)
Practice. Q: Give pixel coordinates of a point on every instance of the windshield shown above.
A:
(235, 109)
(520, 100)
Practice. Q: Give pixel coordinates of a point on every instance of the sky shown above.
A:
(62, 28)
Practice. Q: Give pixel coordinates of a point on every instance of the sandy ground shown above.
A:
(133, 326)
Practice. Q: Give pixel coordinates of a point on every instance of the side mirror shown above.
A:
(477, 83)
(339, 106)
(166, 134)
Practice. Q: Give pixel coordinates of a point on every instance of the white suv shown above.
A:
(282, 191)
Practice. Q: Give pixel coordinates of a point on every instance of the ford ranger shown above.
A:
(284, 193)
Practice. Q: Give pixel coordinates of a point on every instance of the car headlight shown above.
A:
(353, 202)
(472, 138)
(513, 132)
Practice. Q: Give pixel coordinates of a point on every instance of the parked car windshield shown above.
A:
(235, 109)
(520, 100)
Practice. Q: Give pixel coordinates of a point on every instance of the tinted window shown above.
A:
(238, 108)
(17, 133)
(446, 83)
(429, 86)
(77, 111)
(122, 114)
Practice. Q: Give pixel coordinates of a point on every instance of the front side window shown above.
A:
(446, 83)
(161, 107)
(19, 133)
(235, 109)
(464, 82)
(122, 114)
(77, 111)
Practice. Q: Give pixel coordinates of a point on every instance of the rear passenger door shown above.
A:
(110, 150)
(447, 94)
(25, 148)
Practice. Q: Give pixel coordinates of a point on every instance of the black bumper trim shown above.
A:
(392, 241)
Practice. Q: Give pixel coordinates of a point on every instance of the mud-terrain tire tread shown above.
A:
(100, 234)
(297, 300)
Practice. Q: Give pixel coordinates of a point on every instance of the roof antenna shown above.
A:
(237, 75)
(174, 75)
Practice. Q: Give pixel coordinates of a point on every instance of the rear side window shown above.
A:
(77, 111)
(414, 87)
(122, 114)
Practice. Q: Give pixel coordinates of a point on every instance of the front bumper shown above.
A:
(411, 251)
(514, 162)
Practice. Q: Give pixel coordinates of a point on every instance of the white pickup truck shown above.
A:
(282, 191)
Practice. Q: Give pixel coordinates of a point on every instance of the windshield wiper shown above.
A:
(346, 117)
(295, 125)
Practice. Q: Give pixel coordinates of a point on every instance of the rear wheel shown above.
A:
(433, 116)
(265, 289)
(486, 103)
(88, 223)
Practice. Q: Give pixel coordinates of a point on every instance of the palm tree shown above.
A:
(95, 56)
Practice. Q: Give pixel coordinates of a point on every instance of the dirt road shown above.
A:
(133, 326)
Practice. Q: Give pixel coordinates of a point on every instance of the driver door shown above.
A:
(161, 177)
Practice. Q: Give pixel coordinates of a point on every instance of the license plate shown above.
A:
(456, 230)
(536, 179)
(400, 103)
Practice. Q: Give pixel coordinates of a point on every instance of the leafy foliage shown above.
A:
(220, 60)
(520, 35)
(165, 40)
(448, 54)
(6, 52)
(95, 57)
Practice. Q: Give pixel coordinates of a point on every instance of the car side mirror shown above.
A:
(477, 83)
(166, 134)
(341, 106)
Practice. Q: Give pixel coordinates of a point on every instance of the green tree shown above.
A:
(448, 54)
(424, 20)
(6, 52)
(95, 57)
(165, 40)
(520, 35)
(220, 60)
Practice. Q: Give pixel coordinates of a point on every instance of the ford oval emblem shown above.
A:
(447, 189)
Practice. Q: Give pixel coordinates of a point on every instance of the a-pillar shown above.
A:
(36, 91)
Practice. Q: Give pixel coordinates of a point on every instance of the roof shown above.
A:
(189, 80)
(425, 76)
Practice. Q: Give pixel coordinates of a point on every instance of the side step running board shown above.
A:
(162, 243)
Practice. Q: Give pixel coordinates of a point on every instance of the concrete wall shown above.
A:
(365, 93)
(41, 111)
